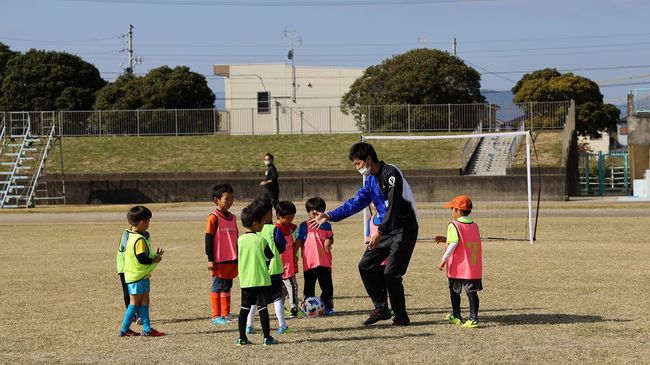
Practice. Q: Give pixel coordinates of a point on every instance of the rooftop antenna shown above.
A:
(294, 40)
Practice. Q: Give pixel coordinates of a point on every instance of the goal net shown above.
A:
(493, 169)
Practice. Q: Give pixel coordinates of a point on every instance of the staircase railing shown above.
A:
(514, 145)
(41, 165)
(11, 175)
(470, 147)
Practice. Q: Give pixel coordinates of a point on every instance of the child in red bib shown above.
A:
(221, 248)
(463, 259)
(316, 248)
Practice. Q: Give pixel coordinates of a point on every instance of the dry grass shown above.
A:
(577, 296)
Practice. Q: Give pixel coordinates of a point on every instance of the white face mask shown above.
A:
(268, 162)
(364, 171)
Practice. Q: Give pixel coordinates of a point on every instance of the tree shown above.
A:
(125, 93)
(592, 115)
(419, 76)
(177, 88)
(5, 55)
(46, 80)
(161, 88)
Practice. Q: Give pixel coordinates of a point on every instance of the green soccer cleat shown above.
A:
(454, 320)
(220, 320)
(270, 341)
(470, 324)
(241, 342)
(284, 330)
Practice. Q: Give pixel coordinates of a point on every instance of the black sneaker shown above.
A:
(376, 316)
(401, 321)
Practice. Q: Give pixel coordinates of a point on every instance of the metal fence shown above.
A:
(304, 120)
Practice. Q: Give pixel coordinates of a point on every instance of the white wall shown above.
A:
(318, 93)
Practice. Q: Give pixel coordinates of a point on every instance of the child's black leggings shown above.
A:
(473, 304)
(249, 296)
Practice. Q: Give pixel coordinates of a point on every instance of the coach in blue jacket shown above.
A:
(386, 187)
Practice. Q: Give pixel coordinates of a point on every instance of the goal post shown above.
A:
(494, 169)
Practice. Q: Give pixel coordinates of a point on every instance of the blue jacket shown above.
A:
(391, 194)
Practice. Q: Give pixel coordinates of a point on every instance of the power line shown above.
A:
(62, 41)
(248, 3)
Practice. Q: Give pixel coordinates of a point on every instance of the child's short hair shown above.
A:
(269, 155)
(219, 189)
(255, 211)
(362, 150)
(316, 203)
(137, 214)
(285, 208)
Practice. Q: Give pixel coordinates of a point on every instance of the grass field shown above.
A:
(576, 296)
(244, 153)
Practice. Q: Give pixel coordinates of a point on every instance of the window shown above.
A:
(263, 102)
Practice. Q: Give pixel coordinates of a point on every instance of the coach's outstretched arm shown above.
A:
(350, 207)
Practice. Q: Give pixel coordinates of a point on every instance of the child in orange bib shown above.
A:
(221, 248)
(463, 259)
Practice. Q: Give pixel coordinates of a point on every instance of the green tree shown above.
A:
(125, 93)
(592, 115)
(5, 55)
(419, 76)
(46, 80)
(161, 88)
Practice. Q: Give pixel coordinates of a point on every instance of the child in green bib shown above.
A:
(254, 255)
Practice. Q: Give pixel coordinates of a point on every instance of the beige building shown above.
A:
(276, 98)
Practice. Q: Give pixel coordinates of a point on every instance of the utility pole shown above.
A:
(129, 49)
(453, 46)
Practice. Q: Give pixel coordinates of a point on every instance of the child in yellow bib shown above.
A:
(139, 262)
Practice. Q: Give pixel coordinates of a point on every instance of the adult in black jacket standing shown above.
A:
(270, 181)
(386, 187)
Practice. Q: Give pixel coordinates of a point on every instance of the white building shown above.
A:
(276, 98)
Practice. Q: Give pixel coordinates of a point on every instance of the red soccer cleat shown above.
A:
(153, 333)
(129, 333)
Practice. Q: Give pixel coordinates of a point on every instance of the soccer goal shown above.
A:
(494, 169)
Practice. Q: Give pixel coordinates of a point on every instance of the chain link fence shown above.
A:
(281, 119)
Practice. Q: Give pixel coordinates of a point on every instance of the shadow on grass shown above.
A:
(181, 320)
(436, 311)
(363, 338)
(533, 318)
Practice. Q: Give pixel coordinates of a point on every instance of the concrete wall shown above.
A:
(331, 185)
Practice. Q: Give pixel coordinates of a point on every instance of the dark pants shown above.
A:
(258, 295)
(125, 290)
(273, 196)
(381, 282)
(324, 277)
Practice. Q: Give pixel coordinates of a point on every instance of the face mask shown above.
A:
(364, 171)
(268, 162)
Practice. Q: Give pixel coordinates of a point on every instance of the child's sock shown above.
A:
(225, 304)
(128, 317)
(243, 314)
(251, 315)
(144, 315)
(216, 304)
(279, 312)
(264, 320)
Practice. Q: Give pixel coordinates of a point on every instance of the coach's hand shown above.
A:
(211, 265)
(374, 239)
(320, 219)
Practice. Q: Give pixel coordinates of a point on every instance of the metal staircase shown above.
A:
(493, 155)
(22, 160)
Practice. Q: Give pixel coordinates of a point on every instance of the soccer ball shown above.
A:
(313, 307)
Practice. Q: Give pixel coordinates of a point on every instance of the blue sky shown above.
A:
(607, 41)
